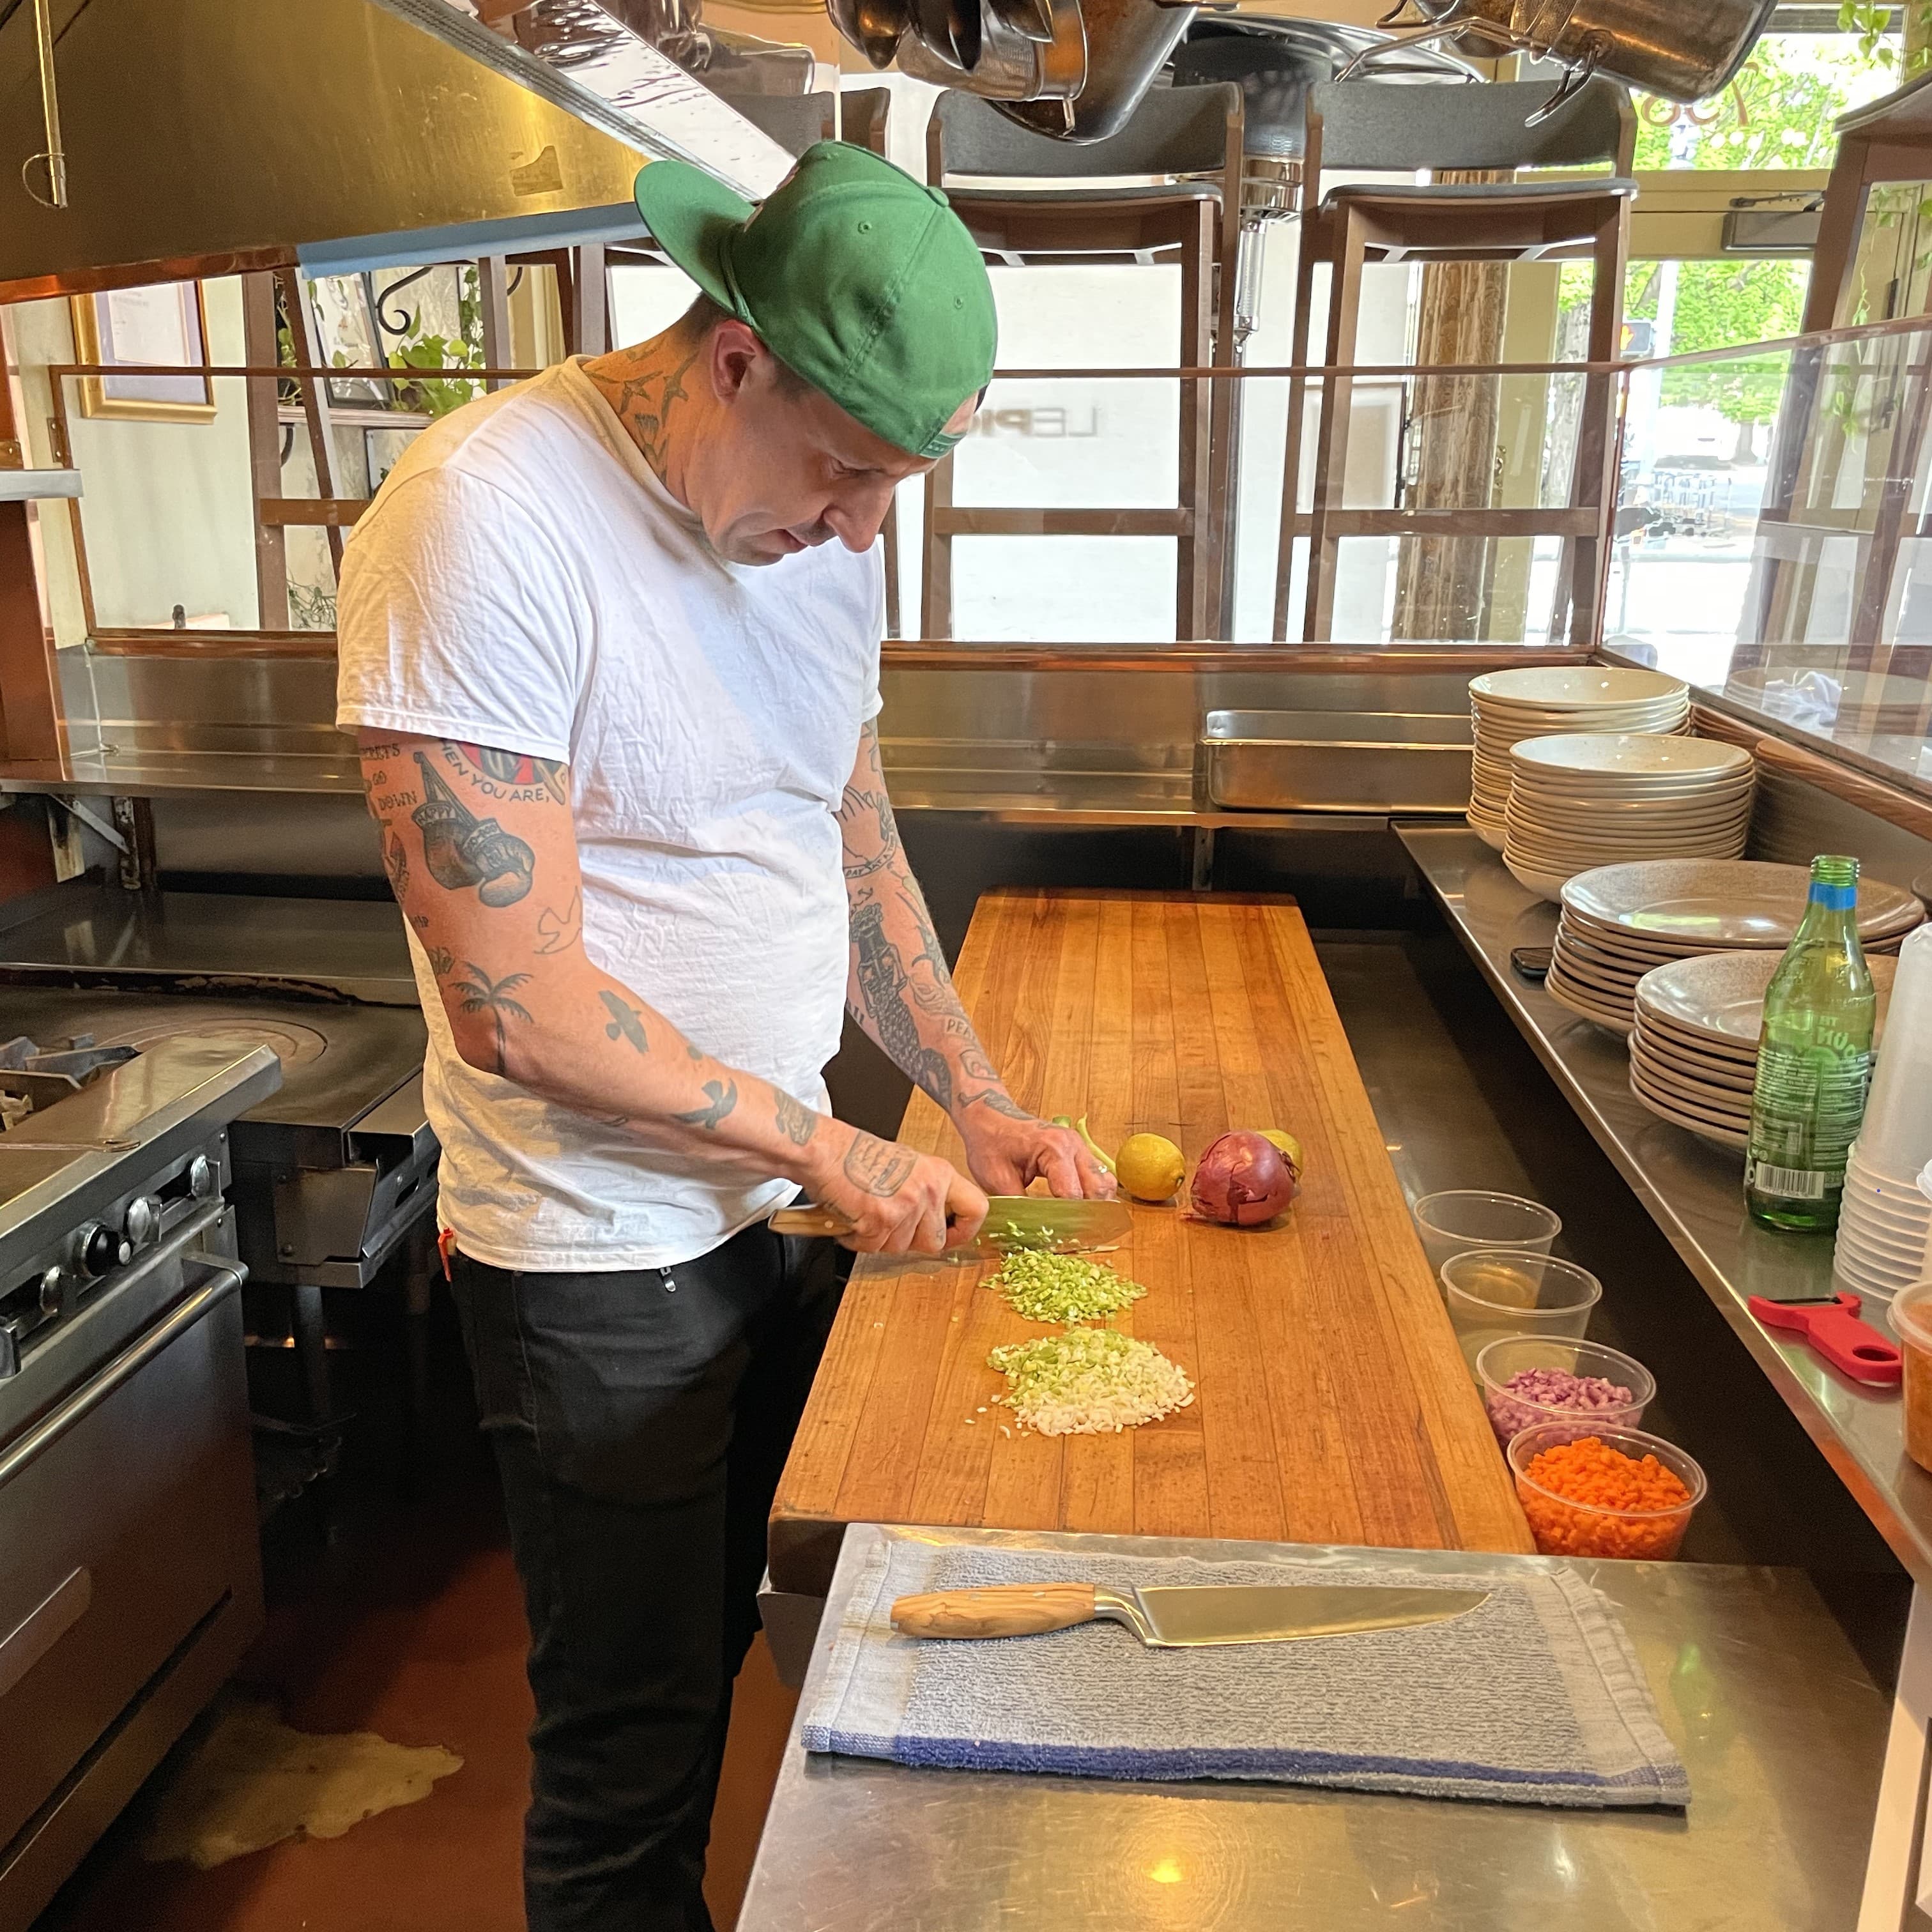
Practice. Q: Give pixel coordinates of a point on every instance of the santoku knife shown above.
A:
(1013, 1221)
(1173, 1618)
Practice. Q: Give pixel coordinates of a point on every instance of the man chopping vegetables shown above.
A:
(610, 640)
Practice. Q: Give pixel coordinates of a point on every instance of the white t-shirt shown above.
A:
(524, 582)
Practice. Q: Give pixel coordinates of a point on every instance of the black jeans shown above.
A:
(639, 1420)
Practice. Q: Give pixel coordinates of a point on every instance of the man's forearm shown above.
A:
(899, 989)
(497, 907)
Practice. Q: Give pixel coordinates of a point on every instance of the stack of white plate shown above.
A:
(1542, 700)
(1883, 1223)
(1694, 1054)
(1581, 802)
(1621, 921)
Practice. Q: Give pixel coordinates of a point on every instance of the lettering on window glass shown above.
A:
(1049, 421)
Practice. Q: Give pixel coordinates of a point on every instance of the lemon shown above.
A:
(1150, 1167)
(1288, 1145)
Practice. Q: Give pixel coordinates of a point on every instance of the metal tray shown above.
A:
(1336, 760)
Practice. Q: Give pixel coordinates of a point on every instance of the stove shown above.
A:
(332, 1170)
(129, 1572)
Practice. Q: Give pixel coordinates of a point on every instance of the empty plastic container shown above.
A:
(1495, 1292)
(1466, 1218)
(1895, 1141)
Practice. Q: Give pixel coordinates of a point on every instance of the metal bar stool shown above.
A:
(1175, 133)
(1363, 125)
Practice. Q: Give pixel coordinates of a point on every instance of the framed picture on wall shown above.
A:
(166, 323)
(346, 338)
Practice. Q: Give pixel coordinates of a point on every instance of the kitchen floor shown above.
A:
(401, 1615)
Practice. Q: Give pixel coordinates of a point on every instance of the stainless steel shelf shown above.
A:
(152, 774)
(28, 486)
(1693, 1191)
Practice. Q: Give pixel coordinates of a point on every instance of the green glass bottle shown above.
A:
(1814, 1061)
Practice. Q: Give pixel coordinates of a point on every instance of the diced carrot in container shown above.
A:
(1618, 1492)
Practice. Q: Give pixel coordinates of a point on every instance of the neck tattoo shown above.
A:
(645, 397)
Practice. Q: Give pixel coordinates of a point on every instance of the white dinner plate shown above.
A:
(1722, 1137)
(1710, 905)
(1579, 1001)
(1720, 996)
(1578, 684)
(1629, 759)
(1703, 1102)
(1738, 1077)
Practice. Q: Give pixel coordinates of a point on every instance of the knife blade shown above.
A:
(1013, 1221)
(1177, 1617)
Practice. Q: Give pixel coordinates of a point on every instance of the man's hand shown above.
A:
(898, 1200)
(1007, 1148)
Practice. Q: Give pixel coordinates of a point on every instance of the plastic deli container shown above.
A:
(1564, 1526)
(1512, 1410)
(1495, 1292)
(1468, 1218)
(1912, 1320)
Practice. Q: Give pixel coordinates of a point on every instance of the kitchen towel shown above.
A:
(1536, 1698)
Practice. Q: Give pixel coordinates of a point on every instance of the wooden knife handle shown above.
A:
(807, 1220)
(999, 1610)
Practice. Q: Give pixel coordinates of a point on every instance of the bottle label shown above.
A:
(1805, 1113)
(1792, 1183)
(1834, 898)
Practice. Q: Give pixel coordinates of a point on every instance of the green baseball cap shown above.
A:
(857, 277)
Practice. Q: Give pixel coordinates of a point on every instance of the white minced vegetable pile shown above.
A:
(1089, 1381)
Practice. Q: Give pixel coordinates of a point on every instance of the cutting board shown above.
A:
(1332, 1404)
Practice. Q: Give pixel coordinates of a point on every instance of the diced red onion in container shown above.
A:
(1550, 1389)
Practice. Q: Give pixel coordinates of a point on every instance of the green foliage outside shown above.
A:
(437, 395)
(432, 395)
(1779, 112)
(1721, 305)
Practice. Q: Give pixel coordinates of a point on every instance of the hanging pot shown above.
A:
(1678, 51)
(875, 27)
(1011, 67)
(1275, 61)
(1127, 42)
(1033, 18)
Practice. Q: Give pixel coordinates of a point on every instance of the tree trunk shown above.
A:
(1918, 14)
(1442, 583)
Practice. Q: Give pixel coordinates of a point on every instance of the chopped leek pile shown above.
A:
(1089, 1381)
(1062, 1288)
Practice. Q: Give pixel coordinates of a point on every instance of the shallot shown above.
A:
(1537, 1392)
(1243, 1179)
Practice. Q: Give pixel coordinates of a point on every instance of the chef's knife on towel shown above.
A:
(1013, 1221)
(1169, 1618)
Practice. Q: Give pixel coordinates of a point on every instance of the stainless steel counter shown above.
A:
(1693, 1191)
(212, 943)
(1782, 1732)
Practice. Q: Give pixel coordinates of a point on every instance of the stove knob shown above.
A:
(100, 1249)
(53, 1290)
(140, 1225)
(200, 1177)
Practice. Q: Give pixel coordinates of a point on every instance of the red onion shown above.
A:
(1243, 1179)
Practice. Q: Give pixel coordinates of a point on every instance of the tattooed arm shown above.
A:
(480, 852)
(900, 991)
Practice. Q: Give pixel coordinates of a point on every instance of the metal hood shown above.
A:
(205, 136)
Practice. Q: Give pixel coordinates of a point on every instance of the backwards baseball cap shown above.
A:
(857, 277)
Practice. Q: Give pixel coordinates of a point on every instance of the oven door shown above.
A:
(128, 1554)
